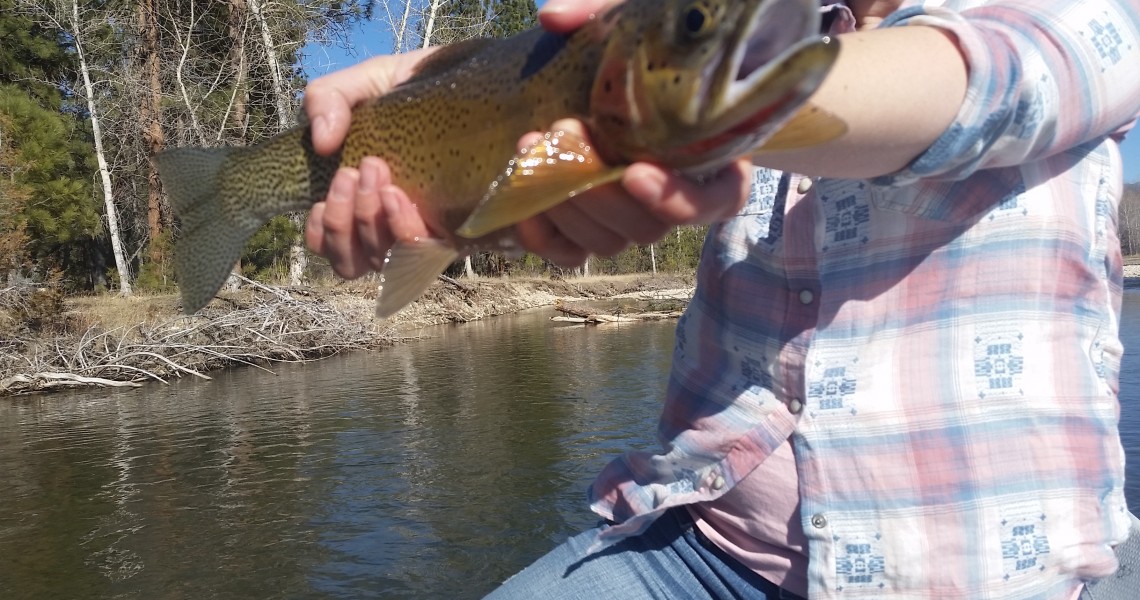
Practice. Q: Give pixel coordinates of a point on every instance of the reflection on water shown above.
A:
(434, 469)
(1130, 397)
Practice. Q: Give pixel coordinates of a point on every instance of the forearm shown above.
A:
(897, 89)
(1040, 78)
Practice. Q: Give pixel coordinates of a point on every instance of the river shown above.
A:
(434, 469)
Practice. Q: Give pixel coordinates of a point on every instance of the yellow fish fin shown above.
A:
(811, 126)
(558, 167)
(409, 269)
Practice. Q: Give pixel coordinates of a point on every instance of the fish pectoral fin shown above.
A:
(811, 126)
(410, 268)
(558, 167)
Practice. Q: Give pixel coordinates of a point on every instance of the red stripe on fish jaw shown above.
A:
(744, 128)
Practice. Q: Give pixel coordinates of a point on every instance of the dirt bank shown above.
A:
(49, 342)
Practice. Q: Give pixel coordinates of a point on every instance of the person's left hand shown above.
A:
(642, 207)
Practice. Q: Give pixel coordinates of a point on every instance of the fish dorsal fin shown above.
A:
(811, 126)
(446, 58)
(409, 269)
(548, 172)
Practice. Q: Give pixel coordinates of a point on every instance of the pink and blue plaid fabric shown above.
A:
(940, 344)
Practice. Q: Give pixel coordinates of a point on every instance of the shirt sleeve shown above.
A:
(1044, 76)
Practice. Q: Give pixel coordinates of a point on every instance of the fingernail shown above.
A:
(650, 185)
(556, 8)
(389, 203)
(320, 127)
(367, 181)
(342, 185)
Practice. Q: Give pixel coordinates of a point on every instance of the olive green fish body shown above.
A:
(446, 136)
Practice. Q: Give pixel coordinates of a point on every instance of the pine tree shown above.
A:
(49, 222)
(513, 16)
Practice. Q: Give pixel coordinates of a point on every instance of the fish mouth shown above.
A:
(776, 30)
(774, 62)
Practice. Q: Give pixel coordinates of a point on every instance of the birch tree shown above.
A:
(110, 209)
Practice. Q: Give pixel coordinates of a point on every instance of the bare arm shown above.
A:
(897, 89)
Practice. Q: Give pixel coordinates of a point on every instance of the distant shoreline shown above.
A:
(1132, 276)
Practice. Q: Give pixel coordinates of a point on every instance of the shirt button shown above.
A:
(718, 483)
(795, 406)
(804, 186)
(806, 296)
(818, 521)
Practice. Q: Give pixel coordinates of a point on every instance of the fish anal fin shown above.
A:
(548, 172)
(411, 266)
(811, 126)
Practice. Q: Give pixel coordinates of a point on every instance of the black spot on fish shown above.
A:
(544, 50)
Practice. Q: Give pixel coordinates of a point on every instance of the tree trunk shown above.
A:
(151, 116)
(430, 26)
(298, 260)
(104, 170)
(240, 67)
(400, 31)
(284, 115)
(653, 258)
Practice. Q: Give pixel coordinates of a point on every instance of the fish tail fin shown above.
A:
(411, 266)
(212, 237)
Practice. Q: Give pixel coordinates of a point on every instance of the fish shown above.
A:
(690, 85)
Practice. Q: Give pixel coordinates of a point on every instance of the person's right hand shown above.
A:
(643, 206)
(363, 214)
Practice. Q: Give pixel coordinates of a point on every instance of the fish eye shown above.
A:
(697, 21)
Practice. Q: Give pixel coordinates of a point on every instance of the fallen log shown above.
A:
(578, 315)
(44, 381)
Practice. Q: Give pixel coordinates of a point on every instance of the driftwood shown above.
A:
(578, 315)
(268, 325)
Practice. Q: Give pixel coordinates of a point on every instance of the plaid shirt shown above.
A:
(940, 344)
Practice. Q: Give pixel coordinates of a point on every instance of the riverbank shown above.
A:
(1132, 276)
(49, 342)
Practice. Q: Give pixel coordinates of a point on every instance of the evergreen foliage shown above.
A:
(49, 219)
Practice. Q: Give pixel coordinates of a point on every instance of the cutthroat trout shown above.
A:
(687, 84)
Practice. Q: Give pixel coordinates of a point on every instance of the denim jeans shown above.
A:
(672, 559)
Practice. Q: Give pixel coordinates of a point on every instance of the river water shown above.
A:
(434, 469)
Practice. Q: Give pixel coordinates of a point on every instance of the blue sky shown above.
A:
(373, 39)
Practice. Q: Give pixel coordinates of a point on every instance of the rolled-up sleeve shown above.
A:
(1044, 76)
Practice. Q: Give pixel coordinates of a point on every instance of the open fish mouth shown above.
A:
(776, 30)
(773, 61)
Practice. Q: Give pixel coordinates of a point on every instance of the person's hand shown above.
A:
(363, 214)
(643, 206)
